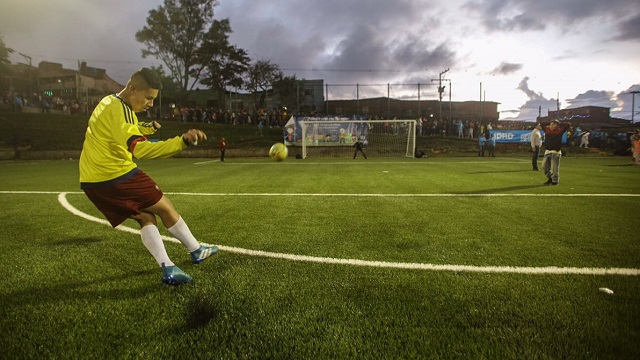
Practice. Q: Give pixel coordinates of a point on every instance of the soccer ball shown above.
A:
(278, 152)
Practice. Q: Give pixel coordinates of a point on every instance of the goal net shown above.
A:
(336, 138)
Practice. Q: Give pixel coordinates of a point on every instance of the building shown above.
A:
(87, 84)
(587, 117)
(57, 85)
(384, 107)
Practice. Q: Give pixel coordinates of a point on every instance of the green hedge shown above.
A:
(66, 132)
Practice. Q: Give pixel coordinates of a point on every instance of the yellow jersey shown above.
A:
(113, 138)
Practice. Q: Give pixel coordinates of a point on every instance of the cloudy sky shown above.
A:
(523, 54)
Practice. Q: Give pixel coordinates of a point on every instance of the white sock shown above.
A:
(153, 242)
(181, 231)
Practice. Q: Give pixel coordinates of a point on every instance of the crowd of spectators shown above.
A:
(18, 101)
(259, 117)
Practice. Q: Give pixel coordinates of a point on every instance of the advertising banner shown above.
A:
(517, 136)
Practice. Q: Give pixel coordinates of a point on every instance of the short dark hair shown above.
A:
(150, 77)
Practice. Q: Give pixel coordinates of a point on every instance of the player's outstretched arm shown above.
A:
(144, 149)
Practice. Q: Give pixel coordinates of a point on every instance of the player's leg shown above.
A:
(534, 159)
(546, 167)
(178, 228)
(555, 169)
(152, 240)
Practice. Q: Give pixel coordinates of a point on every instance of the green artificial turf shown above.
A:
(74, 288)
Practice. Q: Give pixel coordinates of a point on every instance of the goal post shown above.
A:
(336, 138)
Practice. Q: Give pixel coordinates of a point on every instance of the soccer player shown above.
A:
(223, 148)
(120, 190)
(359, 147)
(553, 152)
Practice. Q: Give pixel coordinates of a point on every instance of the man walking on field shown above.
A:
(120, 190)
(553, 144)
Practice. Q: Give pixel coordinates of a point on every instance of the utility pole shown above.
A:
(440, 91)
(27, 57)
(633, 104)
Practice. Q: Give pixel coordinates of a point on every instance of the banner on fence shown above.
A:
(517, 136)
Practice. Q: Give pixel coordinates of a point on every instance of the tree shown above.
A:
(4, 57)
(290, 91)
(174, 34)
(170, 87)
(224, 64)
(260, 78)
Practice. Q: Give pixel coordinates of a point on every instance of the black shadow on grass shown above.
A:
(201, 309)
(501, 190)
(80, 290)
(77, 241)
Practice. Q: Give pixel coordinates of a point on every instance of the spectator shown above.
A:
(481, 144)
(536, 143)
(584, 139)
(223, 148)
(492, 146)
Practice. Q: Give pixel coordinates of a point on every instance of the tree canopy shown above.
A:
(4, 56)
(174, 34)
(224, 64)
(261, 76)
(195, 48)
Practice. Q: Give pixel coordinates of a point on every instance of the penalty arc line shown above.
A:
(553, 270)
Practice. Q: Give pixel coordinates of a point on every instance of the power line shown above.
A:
(344, 70)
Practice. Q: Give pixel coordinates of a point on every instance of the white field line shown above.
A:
(364, 162)
(405, 195)
(62, 198)
(206, 162)
(348, 194)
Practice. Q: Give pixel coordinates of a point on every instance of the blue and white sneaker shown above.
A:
(173, 275)
(202, 253)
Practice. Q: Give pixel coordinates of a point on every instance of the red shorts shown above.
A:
(120, 202)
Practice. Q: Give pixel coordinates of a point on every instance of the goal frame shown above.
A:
(410, 137)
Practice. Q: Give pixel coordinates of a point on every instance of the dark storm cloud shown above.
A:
(506, 68)
(629, 29)
(344, 41)
(525, 15)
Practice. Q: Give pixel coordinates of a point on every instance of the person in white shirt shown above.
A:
(536, 143)
(584, 140)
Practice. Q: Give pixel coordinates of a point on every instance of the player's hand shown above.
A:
(192, 137)
(156, 125)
